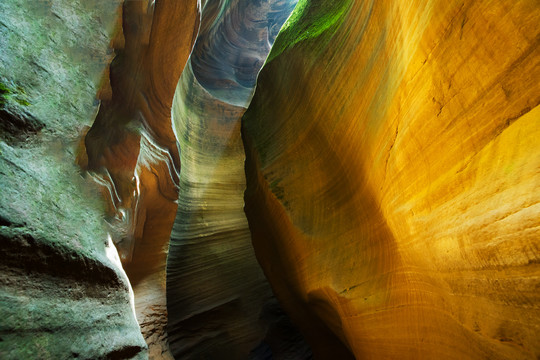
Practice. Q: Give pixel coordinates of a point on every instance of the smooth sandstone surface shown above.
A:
(215, 288)
(233, 43)
(132, 152)
(393, 167)
(219, 304)
(63, 293)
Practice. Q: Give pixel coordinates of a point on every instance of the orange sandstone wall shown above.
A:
(393, 167)
(132, 151)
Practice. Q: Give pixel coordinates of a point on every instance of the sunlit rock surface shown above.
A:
(132, 152)
(63, 293)
(393, 168)
(219, 304)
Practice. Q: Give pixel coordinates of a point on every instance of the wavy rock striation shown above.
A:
(233, 43)
(63, 293)
(132, 151)
(215, 288)
(219, 303)
(393, 174)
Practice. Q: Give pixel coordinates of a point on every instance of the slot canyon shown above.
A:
(269, 179)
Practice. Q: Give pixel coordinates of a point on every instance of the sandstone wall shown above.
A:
(63, 293)
(132, 152)
(393, 174)
(219, 304)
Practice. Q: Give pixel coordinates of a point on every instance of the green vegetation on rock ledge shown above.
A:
(310, 20)
(16, 94)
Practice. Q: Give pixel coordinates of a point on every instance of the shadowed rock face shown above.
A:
(131, 148)
(232, 46)
(63, 293)
(217, 296)
(392, 175)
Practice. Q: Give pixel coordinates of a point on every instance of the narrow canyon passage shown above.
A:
(213, 276)
(219, 303)
(270, 179)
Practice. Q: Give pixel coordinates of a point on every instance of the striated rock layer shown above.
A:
(219, 303)
(131, 149)
(233, 42)
(215, 288)
(63, 293)
(392, 172)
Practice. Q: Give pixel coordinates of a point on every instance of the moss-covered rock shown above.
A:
(63, 293)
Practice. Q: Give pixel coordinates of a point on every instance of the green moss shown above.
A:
(16, 94)
(4, 94)
(4, 89)
(311, 19)
(22, 102)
